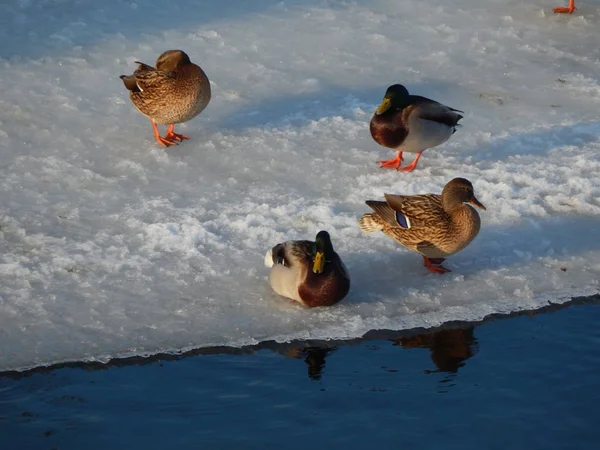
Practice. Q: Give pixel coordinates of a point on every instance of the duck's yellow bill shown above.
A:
(477, 203)
(319, 262)
(385, 105)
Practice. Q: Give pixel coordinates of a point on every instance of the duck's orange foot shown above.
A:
(563, 10)
(172, 136)
(435, 265)
(165, 141)
(393, 163)
(566, 10)
(176, 137)
(411, 166)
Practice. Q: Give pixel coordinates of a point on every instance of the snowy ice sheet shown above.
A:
(112, 246)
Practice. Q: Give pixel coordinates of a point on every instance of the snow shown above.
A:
(112, 246)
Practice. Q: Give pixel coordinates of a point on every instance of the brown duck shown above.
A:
(311, 273)
(436, 226)
(411, 123)
(176, 91)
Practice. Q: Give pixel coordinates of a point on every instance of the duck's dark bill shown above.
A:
(477, 203)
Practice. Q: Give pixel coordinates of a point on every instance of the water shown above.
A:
(529, 382)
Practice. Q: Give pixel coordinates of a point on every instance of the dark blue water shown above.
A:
(528, 382)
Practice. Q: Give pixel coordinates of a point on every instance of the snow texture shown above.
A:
(112, 246)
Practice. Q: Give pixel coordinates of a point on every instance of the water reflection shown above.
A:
(449, 348)
(314, 357)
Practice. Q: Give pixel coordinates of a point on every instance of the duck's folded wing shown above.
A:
(149, 79)
(431, 110)
(417, 210)
(143, 67)
(385, 214)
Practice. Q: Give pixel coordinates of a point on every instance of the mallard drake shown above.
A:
(436, 226)
(311, 273)
(566, 10)
(176, 91)
(411, 123)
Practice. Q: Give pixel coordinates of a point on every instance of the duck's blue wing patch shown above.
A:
(402, 220)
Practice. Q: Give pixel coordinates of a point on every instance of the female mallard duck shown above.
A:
(175, 92)
(436, 226)
(566, 10)
(411, 123)
(310, 273)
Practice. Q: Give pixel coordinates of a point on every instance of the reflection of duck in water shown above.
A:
(449, 348)
(314, 357)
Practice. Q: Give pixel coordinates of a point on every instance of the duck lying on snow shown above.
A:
(176, 91)
(436, 226)
(311, 273)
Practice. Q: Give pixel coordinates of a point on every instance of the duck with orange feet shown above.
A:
(174, 91)
(436, 226)
(411, 123)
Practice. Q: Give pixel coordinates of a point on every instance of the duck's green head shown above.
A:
(396, 97)
(322, 251)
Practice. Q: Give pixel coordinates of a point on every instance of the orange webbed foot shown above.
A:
(172, 136)
(393, 163)
(164, 141)
(435, 265)
(565, 9)
(411, 166)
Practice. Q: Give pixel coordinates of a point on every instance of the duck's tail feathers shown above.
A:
(130, 83)
(368, 224)
(269, 259)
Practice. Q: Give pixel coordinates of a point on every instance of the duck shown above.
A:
(308, 272)
(565, 9)
(436, 226)
(411, 123)
(174, 91)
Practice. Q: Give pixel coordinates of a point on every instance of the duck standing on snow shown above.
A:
(311, 273)
(436, 226)
(566, 10)
(411, 123)
(176, 91)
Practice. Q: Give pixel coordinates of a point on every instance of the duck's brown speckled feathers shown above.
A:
(292, 274)
(433, 225)
(176, 91)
